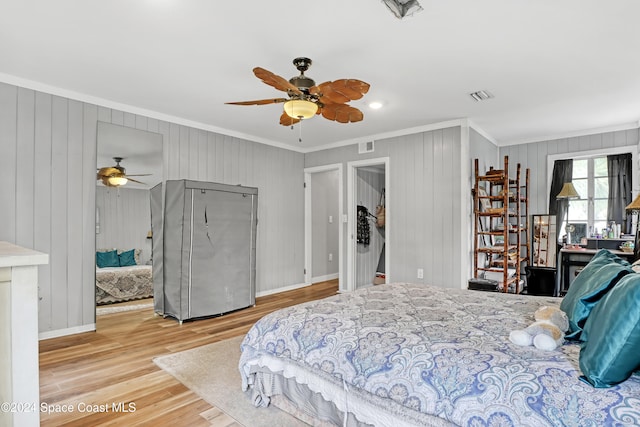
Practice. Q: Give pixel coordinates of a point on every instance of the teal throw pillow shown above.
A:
(127, 258)
(611, 350)
(107, 259)
(594, 281)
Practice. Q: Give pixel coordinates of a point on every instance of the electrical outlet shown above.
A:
(330, 257)
(330, 219)
(420, 273)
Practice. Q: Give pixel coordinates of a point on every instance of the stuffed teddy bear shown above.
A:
(546, 333)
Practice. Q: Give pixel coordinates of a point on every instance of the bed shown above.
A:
(120, 277)
(417, 355)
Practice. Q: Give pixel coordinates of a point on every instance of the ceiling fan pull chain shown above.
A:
(300, 129)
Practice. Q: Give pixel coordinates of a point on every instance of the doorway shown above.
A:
(324, 224)
(368, 246)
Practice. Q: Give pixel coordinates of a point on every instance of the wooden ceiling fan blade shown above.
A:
(343, 90)
(108, 171)
(260, 101)
(275, 81)
(342, 113)
(139, 174)
(286, 120)
(135, 180)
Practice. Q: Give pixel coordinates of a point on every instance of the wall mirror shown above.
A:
(123, 216)
(543, 240)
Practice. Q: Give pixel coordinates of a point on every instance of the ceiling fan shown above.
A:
(306, 99)
(116, 176)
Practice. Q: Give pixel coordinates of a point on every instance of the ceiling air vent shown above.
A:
(481, 95)
(365, 147)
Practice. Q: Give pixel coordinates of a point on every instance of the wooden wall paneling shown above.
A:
(57, 198)
(203, 147)
(440, 196)
(129, 120)
(8, 164)
(25, 167)
(193, 171)
(228, 159)
(183, 157)
(59, 222)
(141, 122)
(452, 240)
(400, 212)
(43, 202)
(441, 181)
(153, 125)
(534, 156)
(117, 117)
(218, 175)
(211, 156)
(607, 140)
(89, 165)
(75, 207)
(420, 202)
(173, 165)
(164, 130)
(429, 207)
(236, 161)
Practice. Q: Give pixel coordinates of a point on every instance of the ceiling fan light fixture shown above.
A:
(117, 181)
(300, 108)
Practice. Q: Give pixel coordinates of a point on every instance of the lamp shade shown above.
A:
(635, 205)
(117, 181)
(568, 192)
(300, 109)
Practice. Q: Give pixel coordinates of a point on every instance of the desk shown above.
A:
(578, 258)
(19, 381)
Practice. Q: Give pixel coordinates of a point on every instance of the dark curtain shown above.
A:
(562, 172)
(619, 171)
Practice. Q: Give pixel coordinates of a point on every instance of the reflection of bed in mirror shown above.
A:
(124, 224)
(120, 284)
(123, 214)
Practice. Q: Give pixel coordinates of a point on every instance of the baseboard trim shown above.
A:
(68, 331)
(282, 289)
(325, 278)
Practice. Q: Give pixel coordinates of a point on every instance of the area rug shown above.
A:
(118, 309)
(211, 371)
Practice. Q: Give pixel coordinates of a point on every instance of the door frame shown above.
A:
(308, 234)
(352, 171)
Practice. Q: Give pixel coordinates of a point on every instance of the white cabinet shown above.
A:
(19, 370)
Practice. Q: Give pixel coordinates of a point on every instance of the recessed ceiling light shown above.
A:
(375, 105)
(481, 95)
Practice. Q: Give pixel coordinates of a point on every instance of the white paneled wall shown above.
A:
(534, 156)
(48, 190)
(426, 203)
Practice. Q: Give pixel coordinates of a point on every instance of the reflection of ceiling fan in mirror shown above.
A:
(306, 99)
(116, 176)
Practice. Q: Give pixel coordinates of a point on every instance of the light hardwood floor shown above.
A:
(114, 366)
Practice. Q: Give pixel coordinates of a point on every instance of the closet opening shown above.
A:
(368, 223)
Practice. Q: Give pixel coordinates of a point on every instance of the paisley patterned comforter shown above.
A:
(431, 356)
(115, 284)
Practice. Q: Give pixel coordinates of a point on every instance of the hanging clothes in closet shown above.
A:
(363, 229)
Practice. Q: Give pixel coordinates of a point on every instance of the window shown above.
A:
(590, 179)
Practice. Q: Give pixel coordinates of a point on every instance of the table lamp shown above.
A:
(568, 192)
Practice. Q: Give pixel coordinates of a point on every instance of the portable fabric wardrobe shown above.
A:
(205, 264)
